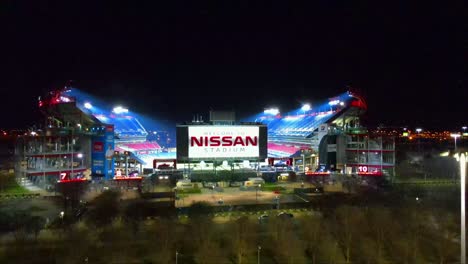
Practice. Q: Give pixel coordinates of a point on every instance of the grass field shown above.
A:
(8, 185)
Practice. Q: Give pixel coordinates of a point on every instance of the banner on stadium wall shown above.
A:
(102, 163)
(223, 142)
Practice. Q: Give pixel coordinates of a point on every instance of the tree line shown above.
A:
(115, 231)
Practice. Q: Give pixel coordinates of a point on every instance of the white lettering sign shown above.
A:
(223, 141)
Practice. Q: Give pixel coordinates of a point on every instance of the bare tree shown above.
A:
(313, 235)
(243, 237)
(347, 223)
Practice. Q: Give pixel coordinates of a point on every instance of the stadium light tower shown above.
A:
(455, 136)
(306, 107)
(88, 105)
(119, 110)
(271, 111)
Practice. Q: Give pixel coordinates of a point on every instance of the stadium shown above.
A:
(82, 137)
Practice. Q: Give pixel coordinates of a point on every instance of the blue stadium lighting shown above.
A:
(271, 111)
(119, 110)
(306, 107)
(334, 102)
(88, 105)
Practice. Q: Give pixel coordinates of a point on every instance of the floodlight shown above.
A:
(271, 111)
(305, 107)
(88, 105)
(119, 110)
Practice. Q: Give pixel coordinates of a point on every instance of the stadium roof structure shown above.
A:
(76, 108)
(126, 125)
(294, 130)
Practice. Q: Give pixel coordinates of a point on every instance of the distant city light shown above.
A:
(119, 110)
(271, 111)
(88, 105)
(33, 133)
(306, 107)
(455, 135)
(79, 155)
(464, 128)
(341, 103)
(418, 130)
(334, 102)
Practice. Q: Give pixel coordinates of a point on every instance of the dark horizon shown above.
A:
(172, 60)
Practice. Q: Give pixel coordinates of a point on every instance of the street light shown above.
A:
(258, 254)
(455, 136)
(62, 214)
(461, 158)
(418, 130)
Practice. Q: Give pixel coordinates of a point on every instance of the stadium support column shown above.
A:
(126, 165)
(303, 162)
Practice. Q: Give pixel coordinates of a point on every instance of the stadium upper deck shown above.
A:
(79, 108)
(299, 128)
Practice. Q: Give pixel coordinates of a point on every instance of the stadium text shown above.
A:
(225, 141)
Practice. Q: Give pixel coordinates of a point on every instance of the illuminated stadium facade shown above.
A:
(83, 137)
(328, 137)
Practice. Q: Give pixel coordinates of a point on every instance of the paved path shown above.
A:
(237, 197)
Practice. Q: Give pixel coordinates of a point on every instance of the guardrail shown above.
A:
(429, 182)
(20, 196)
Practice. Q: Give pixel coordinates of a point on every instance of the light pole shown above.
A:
(256, 192)
(418, 130)
(461, 158)
(258, 254)
(62, 214)
(455, 136)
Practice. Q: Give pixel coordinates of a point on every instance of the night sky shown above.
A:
(171, 60)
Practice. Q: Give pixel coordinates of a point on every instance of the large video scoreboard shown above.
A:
(197, 142)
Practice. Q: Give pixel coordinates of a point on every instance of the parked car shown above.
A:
(285, 215)
(263, 218)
